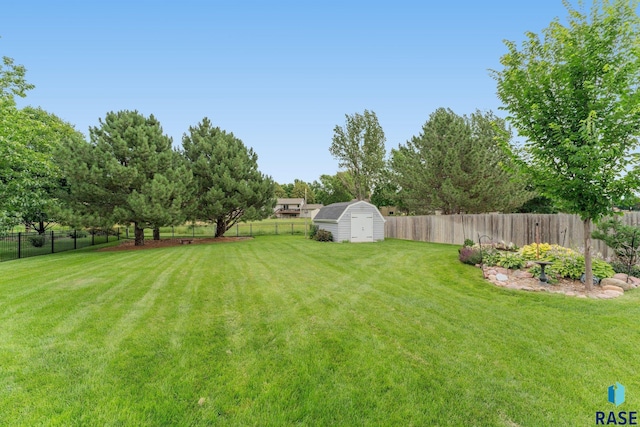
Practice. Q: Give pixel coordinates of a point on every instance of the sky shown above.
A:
(280, 75)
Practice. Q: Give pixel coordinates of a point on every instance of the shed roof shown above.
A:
(333, 212)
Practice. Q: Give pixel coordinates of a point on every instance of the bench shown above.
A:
(186, 241)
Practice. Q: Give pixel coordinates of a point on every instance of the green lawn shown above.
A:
(280, 330)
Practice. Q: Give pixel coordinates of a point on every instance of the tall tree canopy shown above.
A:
(456, 165)
(228, 185)
(12, 80)
(359, 148)
(30, 178)
(334, 188)
(574, 94)
(127, 174)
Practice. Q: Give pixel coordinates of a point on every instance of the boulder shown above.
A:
(502, 277)
(615, 282)
(612, 288)
(502, 270)
(620, 276)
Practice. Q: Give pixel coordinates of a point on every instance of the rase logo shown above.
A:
(616, 395)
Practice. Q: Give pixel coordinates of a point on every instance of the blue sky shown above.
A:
(280, 75)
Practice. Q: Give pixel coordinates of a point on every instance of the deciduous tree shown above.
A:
(574, 94)
(359, 148)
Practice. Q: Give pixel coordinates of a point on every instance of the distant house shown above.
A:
(310, 210)
(355, 221)
(295, 208)
(288, 208)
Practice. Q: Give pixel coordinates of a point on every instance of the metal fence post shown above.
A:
(52, 241)
(93, 237)
(19, 245)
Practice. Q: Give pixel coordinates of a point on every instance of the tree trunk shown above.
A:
(221, 227)
(588, 282)
(156, 233)
(139, 235)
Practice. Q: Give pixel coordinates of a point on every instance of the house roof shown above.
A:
(312, 206)
(295, 201)
(333, 212)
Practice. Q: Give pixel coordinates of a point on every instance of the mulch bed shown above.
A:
(129, 245)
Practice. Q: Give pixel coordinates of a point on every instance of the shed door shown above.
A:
(361, 227)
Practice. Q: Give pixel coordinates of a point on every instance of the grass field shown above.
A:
(280, 330)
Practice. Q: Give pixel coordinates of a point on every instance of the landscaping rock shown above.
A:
(502, 270)
(615, 282)
(613, 294)
(491, 272)
(612, 288)
(501, 277)
(522, 274)
(620, 276)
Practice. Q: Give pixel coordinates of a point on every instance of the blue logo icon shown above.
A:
(616, 394)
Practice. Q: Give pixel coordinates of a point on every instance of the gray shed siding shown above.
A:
(341, 231)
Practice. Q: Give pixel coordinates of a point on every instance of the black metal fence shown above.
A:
(23, 245)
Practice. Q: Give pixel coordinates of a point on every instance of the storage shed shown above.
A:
(356, 221)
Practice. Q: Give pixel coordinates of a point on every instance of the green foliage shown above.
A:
(77, 234)
(334, 188)
(323, 236)
(470, 255)
(454, 165)
(623, 239)
(468, 242)
(620, 267)
(127, 174)
(510, 260)
(602, 269)
(573, 96)
(313, 230)
(359, 147)
(30, 179)
(490, 256)
(228, 185)
(546, 252)
(12, 81)
(37, 241)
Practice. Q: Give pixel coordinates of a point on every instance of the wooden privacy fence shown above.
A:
(562, 229)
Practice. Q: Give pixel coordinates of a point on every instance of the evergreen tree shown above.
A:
(128, 173)
(228, 185)
(455, 165)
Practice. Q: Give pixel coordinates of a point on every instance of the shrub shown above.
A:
(37, 241)
(620, 267)
(323, 236)
(77, 234)
(313, 230)
(510, 260)
(490, 257)
(470, 255)
(468, 242)
(602, 269)
(547, 251)
(623, 239)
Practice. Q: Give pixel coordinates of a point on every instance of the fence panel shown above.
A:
(29, 244)
(563, 229)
